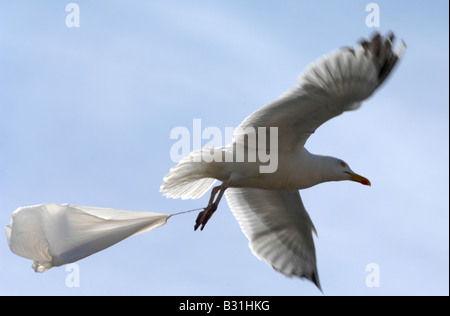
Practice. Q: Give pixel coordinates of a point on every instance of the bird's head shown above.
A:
(345, 173)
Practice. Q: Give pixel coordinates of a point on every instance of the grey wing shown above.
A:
(278, 228)
(336, 83)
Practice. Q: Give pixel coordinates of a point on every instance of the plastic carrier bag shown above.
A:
(55, 234)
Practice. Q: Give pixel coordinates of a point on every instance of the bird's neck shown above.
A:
(318, 168)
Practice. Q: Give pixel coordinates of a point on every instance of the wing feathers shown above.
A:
(278, 228)
(336, 83)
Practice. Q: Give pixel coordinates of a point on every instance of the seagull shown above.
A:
(268, 205)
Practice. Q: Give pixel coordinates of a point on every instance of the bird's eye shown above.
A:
(343, 164)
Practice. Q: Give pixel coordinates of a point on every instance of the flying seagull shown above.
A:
(267, 205)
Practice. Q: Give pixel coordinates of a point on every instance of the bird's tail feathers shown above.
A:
(189, 179)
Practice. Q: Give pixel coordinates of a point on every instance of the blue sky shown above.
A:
(86, 115)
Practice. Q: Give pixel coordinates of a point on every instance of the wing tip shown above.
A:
(315, 279)
(312, 277)
(375, 43)
(400, 49)
(380, 49)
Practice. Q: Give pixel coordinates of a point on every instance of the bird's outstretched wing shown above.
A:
(279, 229)
(336, 83)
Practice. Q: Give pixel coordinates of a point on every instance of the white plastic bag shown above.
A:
(53, 234)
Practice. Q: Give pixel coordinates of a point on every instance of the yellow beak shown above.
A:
(357, 178)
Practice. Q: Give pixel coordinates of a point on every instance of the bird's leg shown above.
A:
(207, 212)
(213, 194)
(204, 216)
